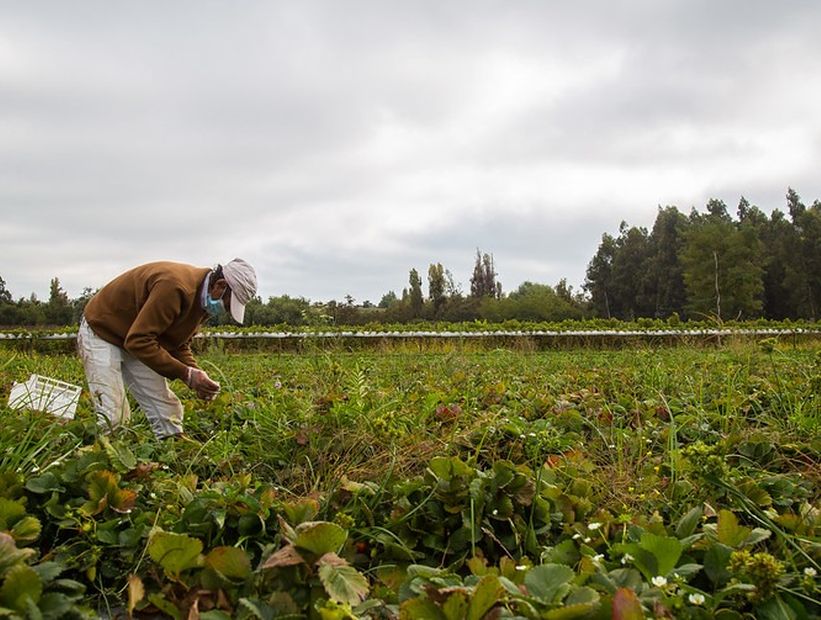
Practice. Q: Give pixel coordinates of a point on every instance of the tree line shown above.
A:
(712, 265)
(30, 311)
(702, 265)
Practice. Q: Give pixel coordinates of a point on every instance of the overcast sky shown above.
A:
(337, 144)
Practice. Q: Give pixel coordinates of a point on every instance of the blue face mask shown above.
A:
(214, 307)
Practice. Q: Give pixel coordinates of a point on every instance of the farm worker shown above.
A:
(136, 333)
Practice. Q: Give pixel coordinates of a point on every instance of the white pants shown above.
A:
(110, 369)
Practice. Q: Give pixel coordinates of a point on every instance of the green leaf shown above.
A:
(251, 525)
(331, 610)
(48, 571)
(320, 537)
(301, 511)
(215, 614)
(715, 563)
(665, 549)
(758, 495)
(626, 605)
(642, 560)
(218, 515)
(230, 562)
(55, 605)
(446, 468)
(689, 541)
(547, 582)
(91, 508)
(756, 536)
(578, 604)
(680, 490)
(27, 529)
(503, 473)
(165, 606)
(107, 532)
(104, 491)
(21, 585)
(776, 608)
(279, 605)
(343, 583)
(583, 596)
(130, 537)
(69, 586)
(46, 483)
(420, 609)
(569, 612)
(119, 454)
(32, 611)
(728, 530)
(687, 524)
(258, 609)
(626, 577)
(478, 566)
(99, 483)
(688, 570)
(486, 594)
(566, 552)
(456, 606)
(10, 512)
(174, 552)
(11, 485)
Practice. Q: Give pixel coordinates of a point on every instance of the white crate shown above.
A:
(44, 394)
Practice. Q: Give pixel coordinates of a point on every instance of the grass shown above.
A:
(625, 436)
(303, 421)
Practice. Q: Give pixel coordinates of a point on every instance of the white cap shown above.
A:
(242, 279)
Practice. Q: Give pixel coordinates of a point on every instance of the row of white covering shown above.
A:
(455, 334)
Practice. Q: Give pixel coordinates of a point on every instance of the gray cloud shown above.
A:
(337, 145)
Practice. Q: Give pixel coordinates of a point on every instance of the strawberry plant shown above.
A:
(431, 483)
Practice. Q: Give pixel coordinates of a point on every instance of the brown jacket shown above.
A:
(152, 311)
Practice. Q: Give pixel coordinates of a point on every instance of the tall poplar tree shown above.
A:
(5, 295)
(483, 282)
(58, 310)
(436, 287)
(415, 294)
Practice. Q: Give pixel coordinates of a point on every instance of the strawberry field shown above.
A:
(441, 482)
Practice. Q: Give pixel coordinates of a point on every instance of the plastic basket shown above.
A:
(44, 394)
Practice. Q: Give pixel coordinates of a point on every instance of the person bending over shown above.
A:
(136, 334)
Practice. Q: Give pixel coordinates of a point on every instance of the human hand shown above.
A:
(199, 381)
